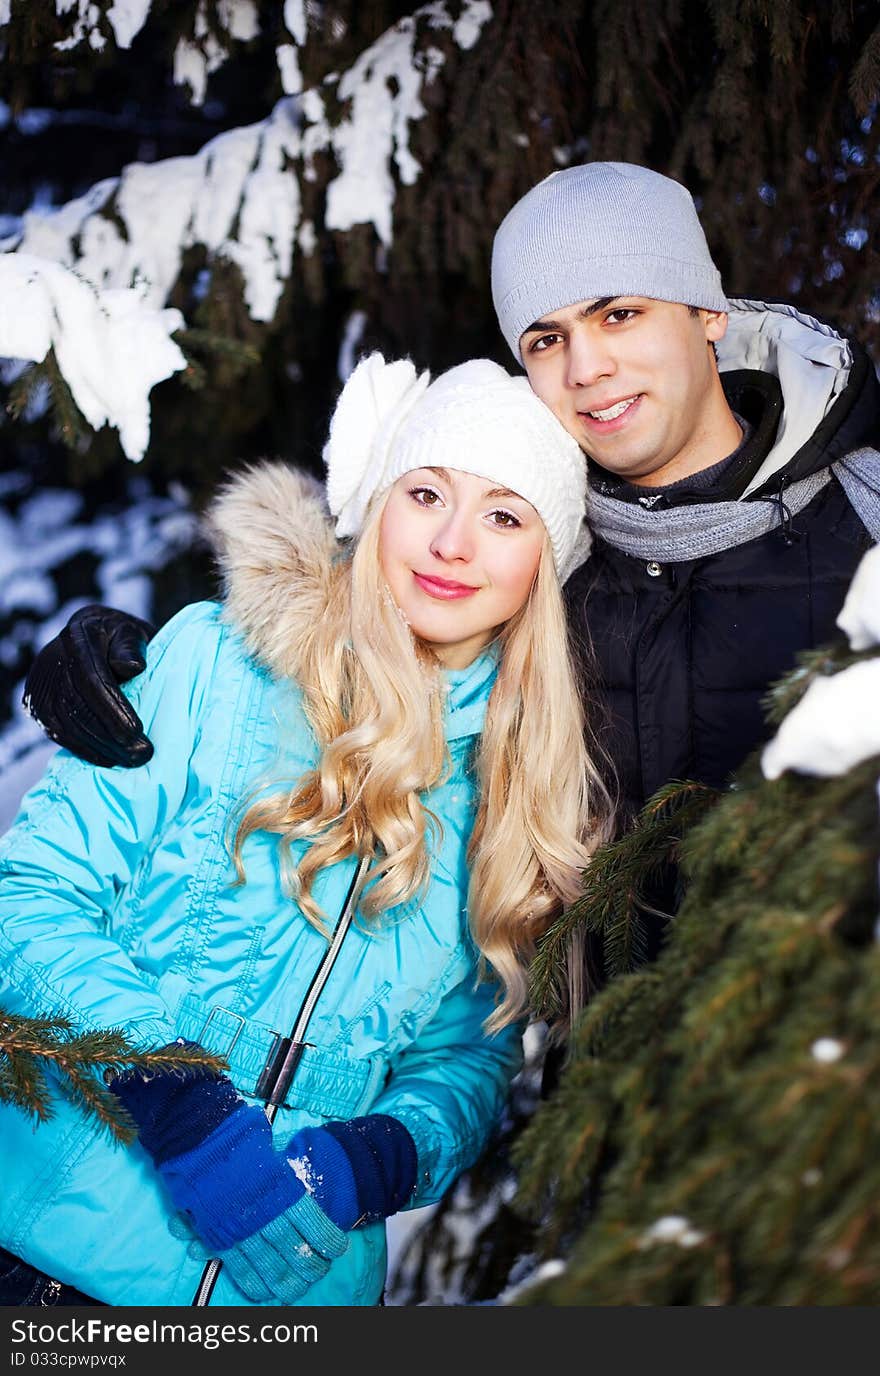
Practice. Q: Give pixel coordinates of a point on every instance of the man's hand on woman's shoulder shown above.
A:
(73, 687)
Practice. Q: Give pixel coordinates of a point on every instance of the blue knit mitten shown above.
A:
(358, 1170)
(175, 1110)
(352, 1171)
(234, 1182)
(279, 1263)
(214, 1152)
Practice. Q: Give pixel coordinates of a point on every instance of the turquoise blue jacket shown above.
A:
(118, 908)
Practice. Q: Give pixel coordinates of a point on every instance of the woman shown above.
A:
(369, 797)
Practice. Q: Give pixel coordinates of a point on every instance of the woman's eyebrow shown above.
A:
(503, 492)
(491, 492)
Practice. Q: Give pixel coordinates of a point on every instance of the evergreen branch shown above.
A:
(612, 904)
(713, 1137)
(210, 341)
(864, 81)
(194, 375)
(23, 1083)
(23, 391)
(196, 344)
(811, 664)
(72, 425)
(199, 341)
(31, 1047)
(95, 1099)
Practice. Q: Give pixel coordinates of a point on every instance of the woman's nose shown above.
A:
(453, 539)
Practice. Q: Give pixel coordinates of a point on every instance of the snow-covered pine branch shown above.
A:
(217, 27)
(111, 345)
(835, 725)
(240, 197)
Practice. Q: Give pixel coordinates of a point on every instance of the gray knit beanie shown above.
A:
(600, 229)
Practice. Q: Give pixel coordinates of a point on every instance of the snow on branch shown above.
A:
(195, 59)
(384, 87)
(125, 17)
(217, 25)
(239, 197)
(835, 725)
(110, 345)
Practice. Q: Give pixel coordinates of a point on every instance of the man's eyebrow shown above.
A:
(595, 306)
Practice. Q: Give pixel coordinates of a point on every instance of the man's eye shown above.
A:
(544, 341)
(621, 314)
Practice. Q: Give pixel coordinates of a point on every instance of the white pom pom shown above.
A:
(371, 406)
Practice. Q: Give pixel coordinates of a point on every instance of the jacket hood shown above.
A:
(831, 396)
(274, 546)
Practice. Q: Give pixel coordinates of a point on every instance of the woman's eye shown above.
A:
(506, 519)
(425, 496)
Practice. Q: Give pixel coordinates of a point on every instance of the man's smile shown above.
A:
(612, 416)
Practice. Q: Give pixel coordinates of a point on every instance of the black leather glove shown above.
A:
(72, 688)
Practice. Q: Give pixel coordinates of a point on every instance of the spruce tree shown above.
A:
(714, 1135)
(766, 111)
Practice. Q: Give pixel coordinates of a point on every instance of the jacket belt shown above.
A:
(326, 1084)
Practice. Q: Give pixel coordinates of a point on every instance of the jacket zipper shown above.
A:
(287, 1069)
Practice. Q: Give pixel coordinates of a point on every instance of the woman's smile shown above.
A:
(443, 588)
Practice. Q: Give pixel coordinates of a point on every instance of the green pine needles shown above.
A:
(42, 1056)
(613, 904)
(715, 1136)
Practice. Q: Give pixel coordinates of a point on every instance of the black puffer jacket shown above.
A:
(683, 653)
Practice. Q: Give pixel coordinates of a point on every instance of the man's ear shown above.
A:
(715, 324)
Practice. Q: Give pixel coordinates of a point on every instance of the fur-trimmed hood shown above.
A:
(274, 545)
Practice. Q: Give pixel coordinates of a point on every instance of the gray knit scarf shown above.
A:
(690, 532)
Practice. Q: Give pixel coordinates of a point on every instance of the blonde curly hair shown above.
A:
(373, 694)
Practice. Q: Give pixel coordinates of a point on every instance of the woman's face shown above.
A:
(459, 554)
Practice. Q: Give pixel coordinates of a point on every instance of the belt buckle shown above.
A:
(278, 1067)
(218, 1008)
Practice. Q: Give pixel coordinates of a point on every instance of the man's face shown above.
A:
(634, 381)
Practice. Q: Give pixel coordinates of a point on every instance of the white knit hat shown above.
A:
(600, 229)
(475, 418)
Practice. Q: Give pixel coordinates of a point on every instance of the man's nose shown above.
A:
(589, 358)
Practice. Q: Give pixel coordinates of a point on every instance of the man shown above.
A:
(734, 486)
(729, 507)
